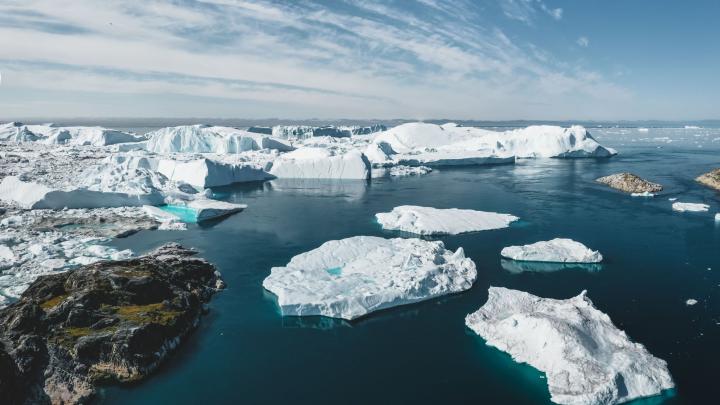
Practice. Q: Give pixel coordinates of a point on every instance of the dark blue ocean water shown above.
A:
(245, 352)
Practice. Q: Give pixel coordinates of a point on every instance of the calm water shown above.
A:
(244, 351)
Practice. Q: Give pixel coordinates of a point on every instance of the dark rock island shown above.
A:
(108, 322)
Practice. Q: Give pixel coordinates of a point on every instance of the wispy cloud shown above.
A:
(353, 58)
(583, 42)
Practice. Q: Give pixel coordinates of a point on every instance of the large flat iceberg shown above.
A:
(434, 221)
(321, 163)
(205, 173)
(449, 144)
(690, 207)
(587, 360)
(52, 135)
(353, 277)
(559, 250)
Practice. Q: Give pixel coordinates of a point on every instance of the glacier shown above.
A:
(586, 358)
(353, 277)
(434, 221)
(558, 250)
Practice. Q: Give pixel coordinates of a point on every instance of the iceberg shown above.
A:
(690, 207)
(401, 171)
(206, 209)
(353, 277)
(52, 135)
(558, 250)
(430, 144)
(321, 163)
(586, 358)
(210, 139)
(205, 173)
(518, 267)
(434, 221)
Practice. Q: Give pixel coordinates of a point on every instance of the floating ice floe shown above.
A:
(210, 139)
(321, 163)
(690, 207)
(353, 277)
(587, 359)
(717, 217)
(644, 194)
(434, 221)
(518, 267)
(559, 250)
(691, 302)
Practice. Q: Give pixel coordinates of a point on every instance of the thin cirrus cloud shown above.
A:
(343, 59)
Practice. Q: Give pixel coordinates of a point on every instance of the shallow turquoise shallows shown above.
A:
(185, 214)
(655, 259)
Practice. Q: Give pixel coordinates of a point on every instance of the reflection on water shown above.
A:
(314, 322)
(349, 190)
(519, 266)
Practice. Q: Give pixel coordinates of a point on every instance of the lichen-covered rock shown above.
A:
(710, 179)
(113, 321)
(630, 183)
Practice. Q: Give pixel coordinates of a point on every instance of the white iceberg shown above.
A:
(353, 277)
(401, 170)
(210, 139)
(559, 250)
(587, 360)
(52, 135)
(203, 173)
(430, 144)
(690, 207)
(690, 302)
(434, 221)
(321, 163)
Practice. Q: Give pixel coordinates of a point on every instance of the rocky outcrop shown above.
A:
(108, 322)
(630, 183)
(710, 179)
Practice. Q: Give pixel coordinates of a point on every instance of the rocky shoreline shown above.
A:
(107, 322)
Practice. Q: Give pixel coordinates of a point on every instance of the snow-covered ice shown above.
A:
(321, 163)
(559, 250)
(586, 358)
(435, 221)
(353, 277)
(690, 207)
(205, 172)
(210, 139)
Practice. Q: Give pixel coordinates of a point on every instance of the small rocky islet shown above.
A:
(107, 322)
(710, 179)
(630, 183)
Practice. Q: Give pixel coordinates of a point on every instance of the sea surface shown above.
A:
(244, 351)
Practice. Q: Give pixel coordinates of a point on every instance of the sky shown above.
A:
(424, 59)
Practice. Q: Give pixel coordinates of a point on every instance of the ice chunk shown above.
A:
(690, 207)
(691, 302)
(644, 194)
(321, 163)
(401, 170)
(587, 360)
(208, 209)
(434, 221)
(205, 173)
(353, 277)
(517, 267)
(558, 250)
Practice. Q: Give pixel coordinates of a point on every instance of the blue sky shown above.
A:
(503, 59)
